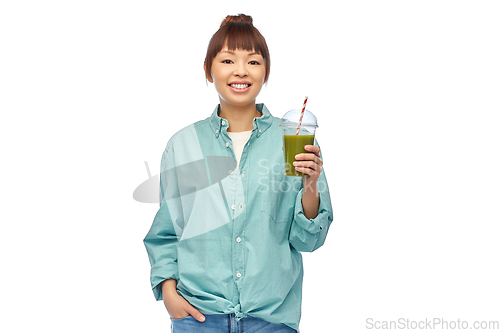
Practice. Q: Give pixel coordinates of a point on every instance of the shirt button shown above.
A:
(223, 122)
(230, 172)
(260, 131)
(238, 275)
(233, 207)
(238, 239)
(243, 174)
(227, 144)
(217, 131)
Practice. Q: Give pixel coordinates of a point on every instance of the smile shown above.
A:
(239, 87)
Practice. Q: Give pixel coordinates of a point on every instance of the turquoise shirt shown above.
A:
(231, 236)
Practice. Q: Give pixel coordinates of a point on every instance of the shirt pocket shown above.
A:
(278, 194)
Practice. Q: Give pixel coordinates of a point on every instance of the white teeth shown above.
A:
(240, 86)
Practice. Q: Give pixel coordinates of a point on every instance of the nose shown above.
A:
(240, 70)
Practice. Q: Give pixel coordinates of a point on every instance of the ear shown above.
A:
(209, 78)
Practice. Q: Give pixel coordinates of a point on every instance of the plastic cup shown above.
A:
(293, 144)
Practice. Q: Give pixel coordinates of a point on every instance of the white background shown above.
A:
(407, 98)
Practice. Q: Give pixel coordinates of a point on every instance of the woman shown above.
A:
(224, 245)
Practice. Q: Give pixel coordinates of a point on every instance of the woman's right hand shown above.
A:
(176, 305)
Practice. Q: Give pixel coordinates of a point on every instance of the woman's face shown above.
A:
(238, 76)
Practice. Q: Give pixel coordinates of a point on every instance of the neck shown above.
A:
(240, 118)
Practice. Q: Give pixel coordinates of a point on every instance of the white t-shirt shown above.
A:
(239, 140)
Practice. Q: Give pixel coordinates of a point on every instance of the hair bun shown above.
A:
(237, 18)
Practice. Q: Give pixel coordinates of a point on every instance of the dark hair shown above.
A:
(237, 32)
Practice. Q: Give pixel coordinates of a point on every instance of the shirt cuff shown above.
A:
(321, 221)
(160, 274)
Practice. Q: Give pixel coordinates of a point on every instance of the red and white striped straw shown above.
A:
(301, 115)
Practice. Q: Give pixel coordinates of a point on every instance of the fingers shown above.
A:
(310, 168)
(313, 156)
(309, 163)
(308, 159)
(195, 313)
(179, 315)
(178, 307)
(313, 149)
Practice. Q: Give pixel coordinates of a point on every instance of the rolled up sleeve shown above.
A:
(162, 239)
(161, 245)
(307, 235)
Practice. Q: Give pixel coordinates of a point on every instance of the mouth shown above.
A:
(239, 87)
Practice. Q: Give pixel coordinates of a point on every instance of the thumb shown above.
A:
(195, 313)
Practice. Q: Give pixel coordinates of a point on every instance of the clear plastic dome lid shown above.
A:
(291, 118)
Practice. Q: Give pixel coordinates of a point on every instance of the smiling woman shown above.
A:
(227, 254)
(237, 32)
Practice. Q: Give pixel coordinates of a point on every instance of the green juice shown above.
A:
(293, 145)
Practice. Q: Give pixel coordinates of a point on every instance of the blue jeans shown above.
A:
(226, 323)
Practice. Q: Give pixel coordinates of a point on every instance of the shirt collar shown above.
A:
(260, 124)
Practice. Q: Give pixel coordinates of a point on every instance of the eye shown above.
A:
(226, 61)
(253, 62)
